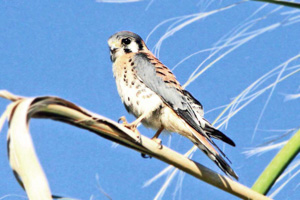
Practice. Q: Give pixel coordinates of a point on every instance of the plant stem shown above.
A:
(266, 180)
(283, 3)
(61, 110)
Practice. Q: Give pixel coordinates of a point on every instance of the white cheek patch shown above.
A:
(133, 47)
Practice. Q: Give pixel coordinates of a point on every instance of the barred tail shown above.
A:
(203, 144)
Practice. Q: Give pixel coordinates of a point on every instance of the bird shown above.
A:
(150, 91)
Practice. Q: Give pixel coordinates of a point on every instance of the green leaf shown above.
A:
(266, 180)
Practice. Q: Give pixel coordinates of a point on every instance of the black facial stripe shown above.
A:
(127, 50)
(140, 44)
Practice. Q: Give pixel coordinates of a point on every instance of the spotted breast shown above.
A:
(135, 95)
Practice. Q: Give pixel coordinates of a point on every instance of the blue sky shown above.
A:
(60, 48)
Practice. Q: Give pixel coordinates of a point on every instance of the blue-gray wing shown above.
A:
(161, 80)
(158, 81)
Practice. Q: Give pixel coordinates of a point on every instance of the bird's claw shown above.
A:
(160, 146)
(158, 141)
(138, 134)
(123, 120)
(131, 126)
(145, 155)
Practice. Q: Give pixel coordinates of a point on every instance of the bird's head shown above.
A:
(124, 42)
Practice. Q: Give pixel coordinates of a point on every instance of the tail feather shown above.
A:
(220, 162)
(225, 167)
(203, 144)
(223, 154)
(213, 132)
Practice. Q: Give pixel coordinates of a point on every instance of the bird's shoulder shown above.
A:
(148, 60)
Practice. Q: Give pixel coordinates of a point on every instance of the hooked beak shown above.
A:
(113, 49)
(112, 54)
(113, 46)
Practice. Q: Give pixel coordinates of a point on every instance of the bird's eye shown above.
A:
(126, 41)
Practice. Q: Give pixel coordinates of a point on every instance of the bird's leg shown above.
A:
(155, 137)
(132, 126)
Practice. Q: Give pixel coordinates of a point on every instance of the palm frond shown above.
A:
(22, 109)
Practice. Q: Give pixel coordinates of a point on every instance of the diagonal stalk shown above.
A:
(283, 3)
(266, 180)
(61, 110)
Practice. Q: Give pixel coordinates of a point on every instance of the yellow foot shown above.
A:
(123, 120)
(158, 141)
(131, 126)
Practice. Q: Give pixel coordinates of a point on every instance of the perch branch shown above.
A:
(64, 111)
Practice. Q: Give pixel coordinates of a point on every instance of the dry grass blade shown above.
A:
(62, 110)
(282, 3)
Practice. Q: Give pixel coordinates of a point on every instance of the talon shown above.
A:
(138, 134)
(132, 126)
(123, 120)
(158, 141)
(145, 155)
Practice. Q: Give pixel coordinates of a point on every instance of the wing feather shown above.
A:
(160, 79)
(147, 73)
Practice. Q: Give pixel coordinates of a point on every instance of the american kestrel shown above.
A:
(150, 91)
